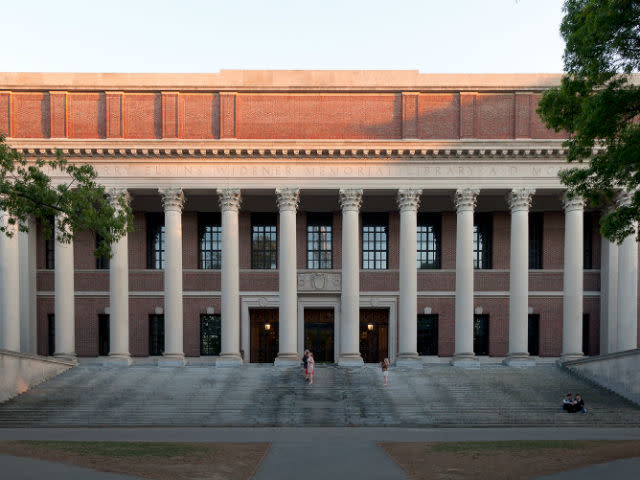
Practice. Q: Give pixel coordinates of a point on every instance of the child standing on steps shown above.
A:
(385, 370)
(311, 364)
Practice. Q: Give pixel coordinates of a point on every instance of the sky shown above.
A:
(199, 36)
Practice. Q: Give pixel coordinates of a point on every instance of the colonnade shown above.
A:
(519, 201)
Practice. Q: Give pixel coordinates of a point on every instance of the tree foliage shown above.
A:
(80, 203)
(597, 104)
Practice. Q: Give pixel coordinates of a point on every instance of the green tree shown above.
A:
(81, 203)
(597, 104)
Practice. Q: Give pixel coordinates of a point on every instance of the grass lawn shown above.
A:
(504, 460)
(161, 461)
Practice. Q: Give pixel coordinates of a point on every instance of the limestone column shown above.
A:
(465, 201)
(288, 312)
(229, 200)
(627, 288)
(573, 279)
(119, 291)
(9, 286)
(65, 297)
(408, 201)
(519, 203)
(28, 318)
(350, 201)
(173, 200)
(608, 297)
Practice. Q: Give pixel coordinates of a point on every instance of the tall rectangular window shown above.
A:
(264, 241)
(588, 241)
(319, 241)
(209, 241)
(535, 240)
(429, 240)
(482, 238)
(50, 248)
(155, 241)
(103, 261)
(375, 246)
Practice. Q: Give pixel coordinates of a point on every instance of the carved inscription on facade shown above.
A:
(319, 282)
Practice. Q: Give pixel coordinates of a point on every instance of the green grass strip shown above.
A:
(124, 449)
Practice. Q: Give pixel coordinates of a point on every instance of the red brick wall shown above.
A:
(444, 307)
(199, 115)
(375, 116)
(494, 116)
(553, 240)
(438, 116)
(142, 115)
(30, 115)
(501, 243)
(87, 115)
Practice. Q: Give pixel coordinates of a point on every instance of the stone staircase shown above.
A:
(433, 395)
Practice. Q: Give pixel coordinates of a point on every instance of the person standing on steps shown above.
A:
(305, 360)
(310, 367)
(384, 365)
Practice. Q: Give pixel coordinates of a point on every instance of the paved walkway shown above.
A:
(320, 453)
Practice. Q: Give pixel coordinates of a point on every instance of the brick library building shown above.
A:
(359, 214)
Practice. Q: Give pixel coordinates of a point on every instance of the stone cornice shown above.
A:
(263, 149)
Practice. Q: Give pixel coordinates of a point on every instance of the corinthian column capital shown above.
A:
(350, 198)
(466, 198)
(229, 199)
(520, 198)
(573, 203)
(623, 199)
(409, 198)
(117, 193)
(288, 198)
(172, 198)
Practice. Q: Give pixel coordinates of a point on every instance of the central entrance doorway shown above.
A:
(318, 334)
(264, 335)
(374, 335)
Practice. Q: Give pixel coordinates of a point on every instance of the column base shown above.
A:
(465, 360)
(569, 357)
(411, 360)
(288, 360)
(117, 360)
(71, 357)
(350, 360)
(519, 360)
(229, 360)
(172, 360)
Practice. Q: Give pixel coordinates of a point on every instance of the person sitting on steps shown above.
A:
(567, 402)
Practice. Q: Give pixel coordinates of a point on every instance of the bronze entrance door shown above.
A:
(318, 334)
(264, 335)
(374, 335)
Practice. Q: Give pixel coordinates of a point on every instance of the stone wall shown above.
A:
(20, 372)
(618, 372)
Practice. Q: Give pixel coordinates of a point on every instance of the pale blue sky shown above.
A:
(445, 36)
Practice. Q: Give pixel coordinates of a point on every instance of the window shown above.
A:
(50, 248)
(534, 334)
(155, 241)
(374, 241)
(319, 241)
(535, 240)
(481, 334)
(588, 241)
(209, 241)
(156, 334)
(103, 334)
(264, 241)
(51, 334)
(103, 261)
(482, 233)
(429, 236)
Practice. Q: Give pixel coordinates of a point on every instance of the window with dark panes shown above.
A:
(375, 250)
(535, 240)
(50, 249)
(319, 241)
(209, 241)
(264, 241)
(588, 241)
(209, 334)
(155, 241)
(482, 236)
(429, 240)
(103, 261)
